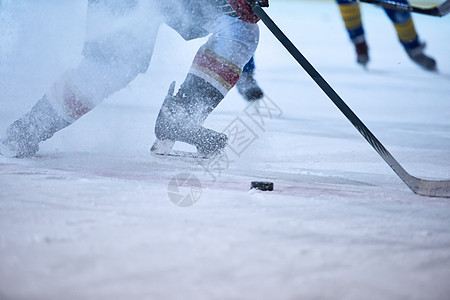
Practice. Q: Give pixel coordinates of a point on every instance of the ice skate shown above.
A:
(362, 53)
(180, 119)
(418, 56)
(20, 140)
(211, 145)
(23, 136)
(248, 87)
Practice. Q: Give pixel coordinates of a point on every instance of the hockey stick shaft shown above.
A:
(438, 11)
(419, 186)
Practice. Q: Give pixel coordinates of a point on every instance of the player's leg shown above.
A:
(215, 70)
(408, 37)
(118, 47)
(351, 15)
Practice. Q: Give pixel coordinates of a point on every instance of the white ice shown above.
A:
(91, 216)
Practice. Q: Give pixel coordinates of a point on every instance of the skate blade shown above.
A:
(178, 153)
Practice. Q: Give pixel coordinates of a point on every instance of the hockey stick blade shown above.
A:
(431, 188)
(438, 11)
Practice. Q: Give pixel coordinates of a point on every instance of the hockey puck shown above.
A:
(262, 185)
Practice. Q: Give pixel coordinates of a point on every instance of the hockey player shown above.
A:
(404, 26)
(119, 43)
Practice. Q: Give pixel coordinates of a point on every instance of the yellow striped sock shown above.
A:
(406, 31)
(351, 14)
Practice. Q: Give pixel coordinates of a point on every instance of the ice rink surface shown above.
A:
(92, 217)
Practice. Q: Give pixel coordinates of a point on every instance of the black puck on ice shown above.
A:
(262, 185)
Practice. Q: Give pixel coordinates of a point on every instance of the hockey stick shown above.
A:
(438, 11)
(431, 188)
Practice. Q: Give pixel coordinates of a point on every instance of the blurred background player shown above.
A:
(403, 24)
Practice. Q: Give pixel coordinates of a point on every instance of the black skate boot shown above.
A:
(181, 116)
(362, 53)
(419, 57)
(23, 136)
(248, 87)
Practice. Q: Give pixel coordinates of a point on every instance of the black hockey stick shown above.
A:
(431, 188)
(438, 11)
